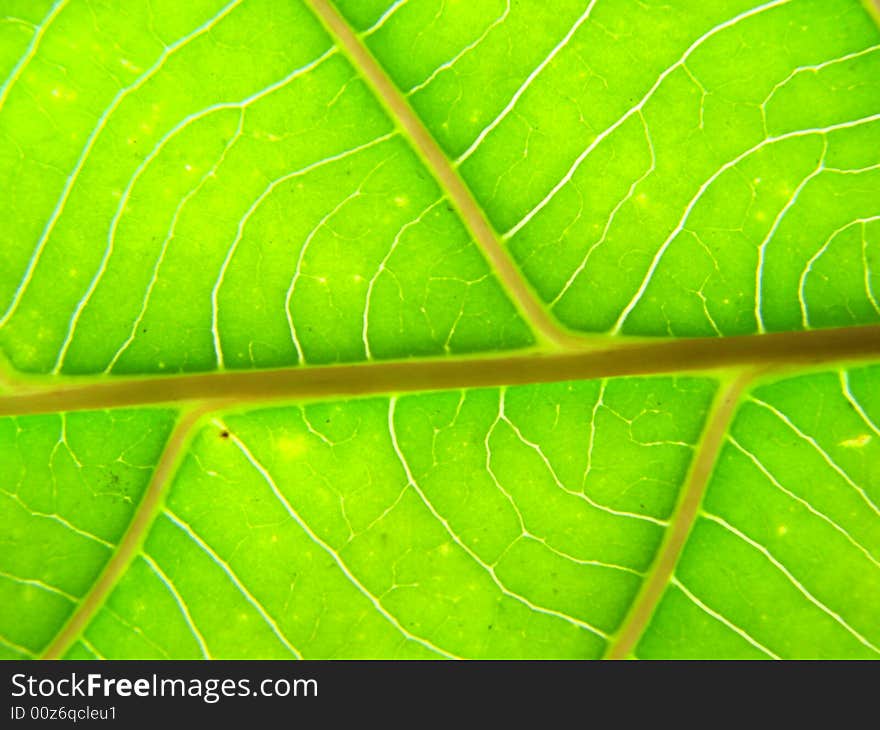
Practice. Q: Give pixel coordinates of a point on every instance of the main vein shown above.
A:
(306, 383)
(131, 541)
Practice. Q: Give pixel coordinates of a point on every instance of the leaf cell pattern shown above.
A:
(666, 169)
(221, 185)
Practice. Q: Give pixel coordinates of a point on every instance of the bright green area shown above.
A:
(212, 185)
(784, 559)
(69, 486)
(207, 185)
(660, 168)
(483, 523)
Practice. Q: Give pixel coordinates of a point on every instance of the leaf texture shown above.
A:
(464, 248)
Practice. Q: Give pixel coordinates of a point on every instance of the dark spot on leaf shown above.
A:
(224, 434)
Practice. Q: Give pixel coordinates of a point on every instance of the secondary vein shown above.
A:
(131, 540)
(660, 575)
(449, 180)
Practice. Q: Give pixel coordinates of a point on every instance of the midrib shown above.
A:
(780, 350)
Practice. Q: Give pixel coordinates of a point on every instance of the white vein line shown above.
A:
(312, 430)
(15, 20)
(154, 277)
(637, 108)
(854, 402)
(241, 106)
(814, 68)
(178, 599)
(853, 170)
(218, 349)
(464, 51)
(224, 566)
(489, 569)
(522, 523)
(365, 334)
(91, 648)
(17, 648)
(524, 531)
(815, 444)
(762, 247)
(803, 502)
(385, 17)
(525, 85)
(869, 289)
(300, 259)
(600, 401)
(580, 495)
(90, 142)
(291, 290)
(62, 439)
(808, 268)
(794, 581)
(721, 618)
(54, 517)
(580, 561)
(30, 51)
(137, 631)
(294, 515)
(612, 216)
(39, 584)
(705, 186)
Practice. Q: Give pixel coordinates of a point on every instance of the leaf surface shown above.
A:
(737, 147)
(431, 231)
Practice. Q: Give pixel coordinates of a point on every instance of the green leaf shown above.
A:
(317, 329)
(737, 145)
